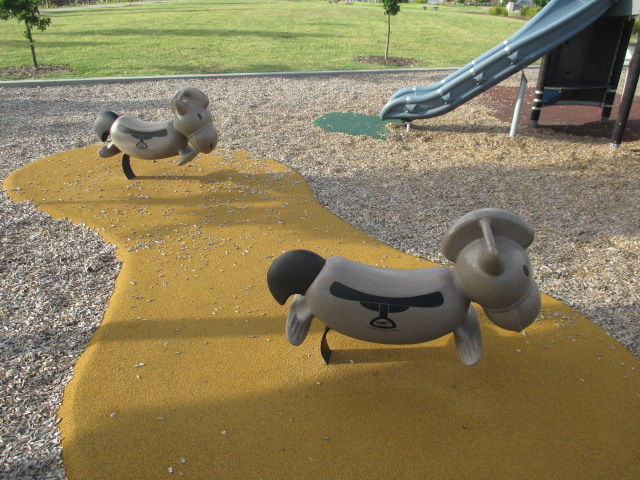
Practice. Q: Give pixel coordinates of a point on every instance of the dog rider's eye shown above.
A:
(200, 116)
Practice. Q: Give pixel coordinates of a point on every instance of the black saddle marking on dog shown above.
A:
(396, 304)
(385, 305)
(390, 308)
(142, 136)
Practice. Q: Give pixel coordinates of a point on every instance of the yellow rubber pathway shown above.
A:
(190, 374)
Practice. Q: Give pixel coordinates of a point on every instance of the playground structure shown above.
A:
(583, 43)
(189, 132)
(491, 268)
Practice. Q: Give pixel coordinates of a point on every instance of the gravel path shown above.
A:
(580, 195)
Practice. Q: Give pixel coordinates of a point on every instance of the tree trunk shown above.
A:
(33, 48)
(386, 51)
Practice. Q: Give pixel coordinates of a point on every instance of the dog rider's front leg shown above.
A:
(187, 153)
(298, 320)
(469, 339)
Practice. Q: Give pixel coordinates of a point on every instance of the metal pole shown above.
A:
(518, 107)
(537, 99)
(633, 73)
(618, 65)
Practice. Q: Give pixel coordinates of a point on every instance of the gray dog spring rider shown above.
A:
(189, 132)
(397, 306)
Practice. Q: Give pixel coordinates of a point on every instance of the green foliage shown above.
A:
(636, 28)
(391, 7)
(528, 11)
(541, 3)
(500, 11)
(24, 11)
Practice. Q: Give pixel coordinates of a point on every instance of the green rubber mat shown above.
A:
(355, 124)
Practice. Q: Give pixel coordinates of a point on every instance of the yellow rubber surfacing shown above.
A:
(190, 374)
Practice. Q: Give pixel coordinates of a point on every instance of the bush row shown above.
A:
(525, 12)
(528, 11)
(501, 11)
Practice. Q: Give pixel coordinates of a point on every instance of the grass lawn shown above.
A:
(227, 36)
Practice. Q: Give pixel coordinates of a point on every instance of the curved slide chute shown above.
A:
(556, 23)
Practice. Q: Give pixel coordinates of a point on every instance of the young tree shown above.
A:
(25, 11)
(390, 7)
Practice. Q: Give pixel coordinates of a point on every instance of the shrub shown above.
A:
(636, 28)
(528, 11)
(498, 11)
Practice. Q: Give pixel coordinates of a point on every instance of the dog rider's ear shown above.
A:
(469, 228)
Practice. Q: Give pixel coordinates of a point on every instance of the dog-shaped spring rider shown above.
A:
(189, 132)
(397, 306)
